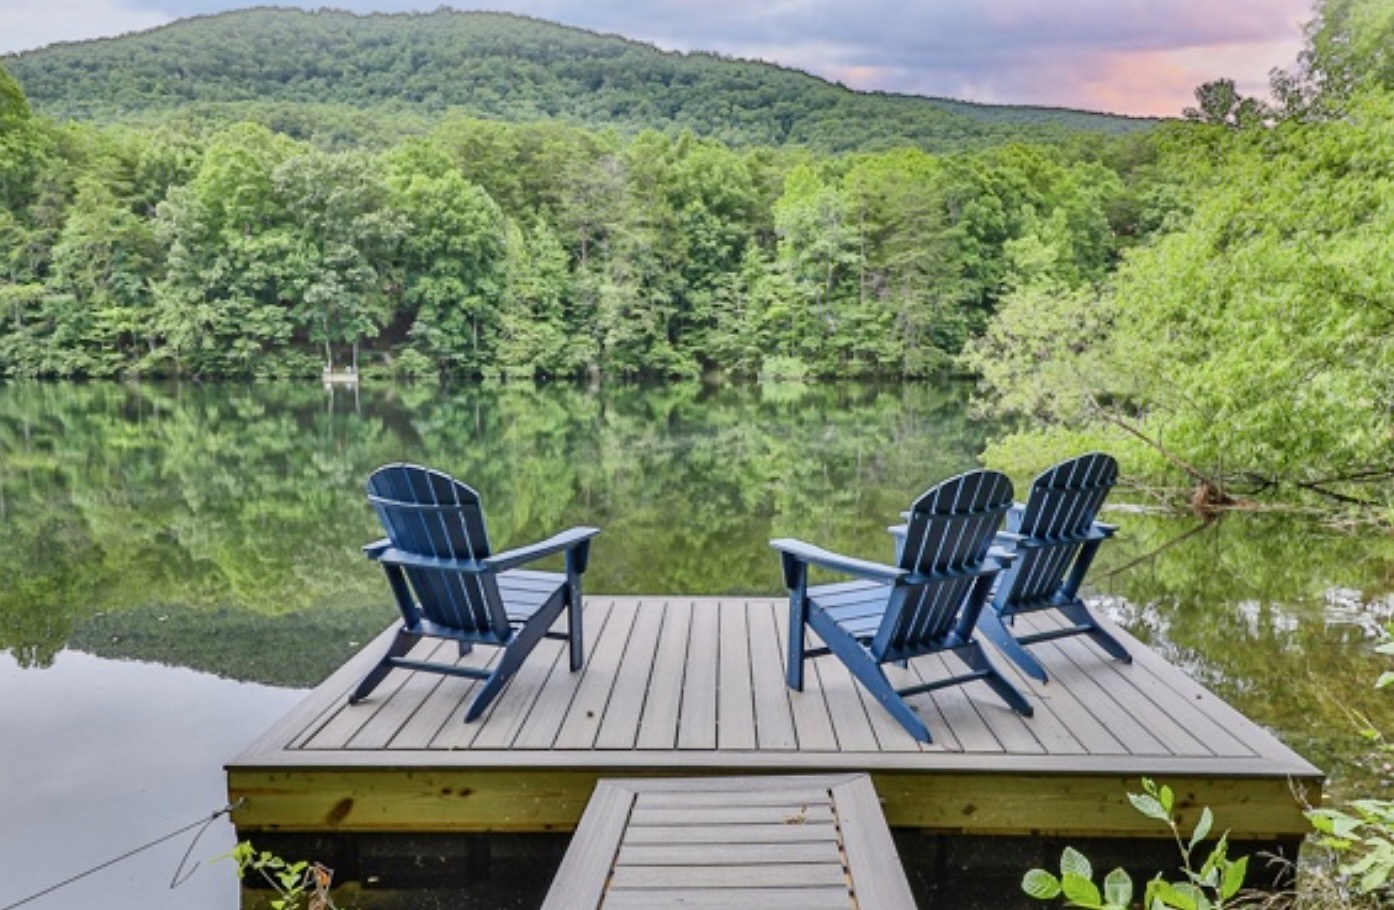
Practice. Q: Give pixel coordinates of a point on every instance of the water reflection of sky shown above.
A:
(101, 756)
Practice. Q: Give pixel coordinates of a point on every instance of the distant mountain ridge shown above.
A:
(498, 66)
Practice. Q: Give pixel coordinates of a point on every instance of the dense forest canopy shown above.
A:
(526, 250)
(267, 63)
(1210, 297)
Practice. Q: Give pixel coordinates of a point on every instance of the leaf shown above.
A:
(1385, 679)
(1374, 879)
(1321, 820)
(1334, 822)
(1040, 884)
(1076, 863)
(1207, 818)
(1118, 889)
(1180, 897)
(1234, 878)
(1081, 891)
(1149, 806)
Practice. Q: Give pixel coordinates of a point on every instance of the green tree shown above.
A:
(1347, 50)
(818, 249)
(1248, 349)
(227, 297)
(452, 260)
(345, 235)
(1219, 103)
(102, 265)
(540, 334)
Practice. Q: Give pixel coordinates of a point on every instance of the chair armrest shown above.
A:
(808, 553)
(1105, 529)
(557, 543)
(1008, 538)
(375, 549)
(391, 556)
(1004, 556)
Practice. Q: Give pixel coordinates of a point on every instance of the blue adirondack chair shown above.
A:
(449, 584)
(1055, 537)
(927, 603)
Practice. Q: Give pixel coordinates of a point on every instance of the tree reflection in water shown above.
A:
(219, 527)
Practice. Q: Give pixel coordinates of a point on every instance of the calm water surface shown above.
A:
(179, 563)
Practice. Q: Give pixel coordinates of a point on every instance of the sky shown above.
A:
(1141, 57)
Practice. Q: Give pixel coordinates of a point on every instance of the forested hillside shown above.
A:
(262, 64)
(487, 249)
(1209, 298)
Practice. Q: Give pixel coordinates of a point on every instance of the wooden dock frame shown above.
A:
(693, 686)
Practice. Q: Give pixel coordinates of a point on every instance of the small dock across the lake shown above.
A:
(692, 686)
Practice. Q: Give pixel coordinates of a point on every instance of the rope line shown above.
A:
(202, 823)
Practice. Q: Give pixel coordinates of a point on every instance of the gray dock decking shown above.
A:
(694, 686)
(804, 842)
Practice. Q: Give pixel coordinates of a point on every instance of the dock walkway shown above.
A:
(693, 686)
(803, 842)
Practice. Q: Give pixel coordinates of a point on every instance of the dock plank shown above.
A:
(658, 728)
(698, 715)
(588, 709)
(736, 696)
(774, 719)
(620, 727)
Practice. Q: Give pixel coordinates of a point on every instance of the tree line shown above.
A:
(520, 250)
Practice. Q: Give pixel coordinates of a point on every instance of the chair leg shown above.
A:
(573, 625)
(978, 661)
(992, 627)
(491, 688)
(515, 652)
(870, 675)
(401, 644)
(1077, 613)
(509, 661)
(798, 618)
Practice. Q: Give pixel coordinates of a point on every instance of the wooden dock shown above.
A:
(694, 686)
(804, 842)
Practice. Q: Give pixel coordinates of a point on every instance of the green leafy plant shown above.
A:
(1212, 886)
(298, 885)
(1361, 834)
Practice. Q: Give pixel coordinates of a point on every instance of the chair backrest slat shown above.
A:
(949, 532)
(429, 513)
(1060, 511)
(1065, 499)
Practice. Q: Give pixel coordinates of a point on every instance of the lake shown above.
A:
(179, 562)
